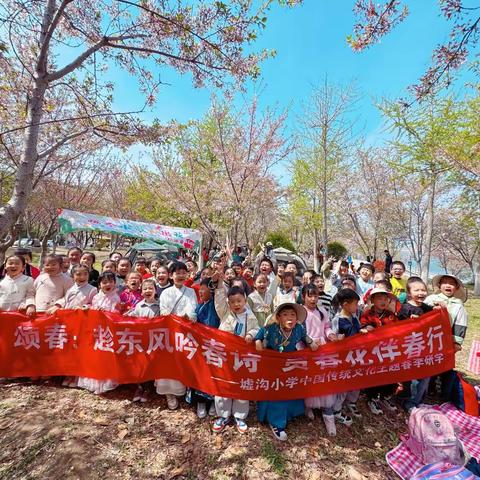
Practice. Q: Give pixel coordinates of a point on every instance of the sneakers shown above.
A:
(279, 433)
(352, 407)
(343, 419)
(242, 427)
(219, 424)
(201, 410)
(389, 404)
(309, 413)
(374, 406)
(329, 421)
(172, 402)
(212, 411)
(137, 397)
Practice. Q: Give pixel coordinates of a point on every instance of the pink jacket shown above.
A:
(318, 325)
(106, 302)
(50, 290)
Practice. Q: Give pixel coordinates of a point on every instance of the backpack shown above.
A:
(432, 437)
(443, 471)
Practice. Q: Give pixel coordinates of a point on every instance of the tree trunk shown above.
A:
(476, 280)
(316, 266)
(425, 266)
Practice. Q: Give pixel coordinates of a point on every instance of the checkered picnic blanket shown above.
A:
(404, 463)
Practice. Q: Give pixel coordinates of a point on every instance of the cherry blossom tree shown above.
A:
(55, 91)
(375, 20)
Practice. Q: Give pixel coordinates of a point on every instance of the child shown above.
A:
(364, 279)
(162, 280)
(379, 314)
(141, 267)
(74, 254)
(30, 270)
(319, 330)
(324, 299)
(238, 319)
(88, 259)
(154, 266)
(417, 293)
(51, 286)
(106, 300)
(398, 281)
(260, 301)
(248, 276)
(81, 293)
(182, 301)
(206, 315)
(132, 294)
(308, 277)
(285, 332)
(124, 266)
(228, 277)
(345, 324)
(286, 292)
(146, 308)
(65, 264)
(16, 289)
(109, 265)
(450, 292)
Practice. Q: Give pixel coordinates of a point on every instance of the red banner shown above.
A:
(108, 346)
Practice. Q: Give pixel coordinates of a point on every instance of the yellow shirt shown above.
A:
(399, 285)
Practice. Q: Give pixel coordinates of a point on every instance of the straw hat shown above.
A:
(299, 309)
(461, 291)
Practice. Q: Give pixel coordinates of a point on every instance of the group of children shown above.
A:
(267, 304)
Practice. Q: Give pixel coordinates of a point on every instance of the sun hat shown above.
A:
(461, 291)
(299, 309)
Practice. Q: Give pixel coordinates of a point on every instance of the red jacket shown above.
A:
(369, 317)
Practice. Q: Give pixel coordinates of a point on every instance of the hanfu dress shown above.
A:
(278, 412)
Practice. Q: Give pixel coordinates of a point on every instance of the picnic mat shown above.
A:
(404, 463)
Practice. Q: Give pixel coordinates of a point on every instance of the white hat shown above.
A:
(461, 291)
(299, 309)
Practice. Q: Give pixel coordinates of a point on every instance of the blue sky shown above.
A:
(310, 41)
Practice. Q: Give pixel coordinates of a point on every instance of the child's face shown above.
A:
(310, 300)
(80, 277)
(86, 260)
(291, 267)
(348, 283)
(343, 270)
(230, 274)
(417, 292)
(280, 270)
(52, 267)
(123, 268)
(148, 291)
(109, 267)
(287, 319)
(365, 274)
(190, 267)
(265, 268)
(380, 301)
(134, 282)
(107, 286)
(237, 269)
(116, 257)
(448, 286)
(261, 284)
(162, 276)
(179, 277)
(154, 266)
(247, 273)
(14, 267)
(350, 307)
(397, 271)
(204, 293)
(319, 282)
(287, 283)
(74, 257)
(206, 273)
(377, 276)
(237, 303)
(307, 278)
(140, 267)
(65, 264)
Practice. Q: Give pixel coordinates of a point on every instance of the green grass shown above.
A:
(274, 457)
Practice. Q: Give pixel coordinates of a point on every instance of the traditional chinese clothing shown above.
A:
(278, 413)
(145, 309)
(176, 301)
(207, 315)
(79, 295)
(285, 296)
(106, 301)
(261, 305)
(130, 297)
(50, 290)
(16, 293)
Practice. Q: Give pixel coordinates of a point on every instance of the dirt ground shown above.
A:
(51, 432)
